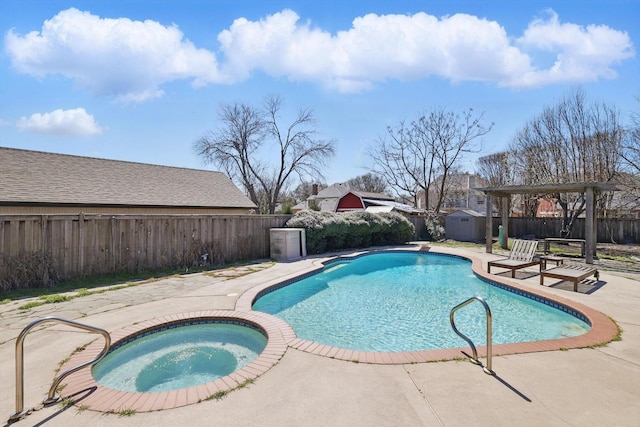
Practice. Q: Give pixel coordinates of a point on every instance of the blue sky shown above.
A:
(142, 80)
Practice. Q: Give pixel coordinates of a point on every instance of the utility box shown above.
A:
(465, 226)
(287, 243)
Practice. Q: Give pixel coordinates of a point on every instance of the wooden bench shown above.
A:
(570, 273)
(583, 244)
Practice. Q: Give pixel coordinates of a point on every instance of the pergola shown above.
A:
(505, 192)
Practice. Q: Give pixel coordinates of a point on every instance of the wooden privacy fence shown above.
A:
(83, 245)
(419, 225)
(610, 230)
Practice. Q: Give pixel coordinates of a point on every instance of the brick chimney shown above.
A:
(314, 190)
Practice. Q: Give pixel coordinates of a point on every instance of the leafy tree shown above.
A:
(412, 155)
(570, 142)
(245, 140)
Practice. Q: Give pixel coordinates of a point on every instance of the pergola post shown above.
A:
(589, 233)
(505, 220)
(488, 232)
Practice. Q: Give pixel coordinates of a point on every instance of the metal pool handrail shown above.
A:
(51, 398)
(487, 369)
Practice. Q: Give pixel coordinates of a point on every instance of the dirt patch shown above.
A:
(619, 258)
(627, 251)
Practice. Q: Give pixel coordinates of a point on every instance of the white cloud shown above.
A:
(115, 57)
(458, 48)
(131, 60)
(579, 53)
(76, 122)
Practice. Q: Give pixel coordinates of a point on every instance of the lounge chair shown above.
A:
(570, 273)
(521, 256)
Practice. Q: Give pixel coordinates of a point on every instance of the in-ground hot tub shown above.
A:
(180, 355)
(177, 360)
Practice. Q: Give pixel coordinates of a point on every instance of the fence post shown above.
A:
(81, 243)
(43, 238)
(112, 246)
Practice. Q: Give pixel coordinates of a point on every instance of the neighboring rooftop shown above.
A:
(34, 177)
(329, 198)
(374, 205)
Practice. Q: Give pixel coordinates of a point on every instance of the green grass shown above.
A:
(245, 383)
(67, 401)
(552, 250)
(31, 304)
(617, 258)
(218, 395)
(126, 412)
(55, 298)
(457, 244)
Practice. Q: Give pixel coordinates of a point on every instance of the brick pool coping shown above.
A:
(87, 393)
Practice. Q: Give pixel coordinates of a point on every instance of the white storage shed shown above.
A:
(465, 226)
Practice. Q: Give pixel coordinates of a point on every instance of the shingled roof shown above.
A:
(28, 177)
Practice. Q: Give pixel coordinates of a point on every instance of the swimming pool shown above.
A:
(400, 301)
(179, 356)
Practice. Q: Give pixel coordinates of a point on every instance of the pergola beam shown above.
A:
(589, 188)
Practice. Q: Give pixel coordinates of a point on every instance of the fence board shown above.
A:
(609, 230)
(81, 245)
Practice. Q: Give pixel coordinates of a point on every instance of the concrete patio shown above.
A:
(581, 387)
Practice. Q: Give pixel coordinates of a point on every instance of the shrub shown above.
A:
(336, 229)
(313, 223)
(27, 270)
(331, 231)
(400, 229)
(435, 226)
(358, 232)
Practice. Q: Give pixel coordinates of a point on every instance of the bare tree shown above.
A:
(242, 147)
(631, 148)
(630, 178)
(570, 142)
(403, 160)
(306, 189)
(369, 182)
(411, 156)
(496, 169)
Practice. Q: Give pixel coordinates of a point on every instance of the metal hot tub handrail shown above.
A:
(51, 398)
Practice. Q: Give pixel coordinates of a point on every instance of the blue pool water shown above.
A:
(400, 301)
(179, 357)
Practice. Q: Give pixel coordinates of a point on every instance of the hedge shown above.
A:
(328, 231)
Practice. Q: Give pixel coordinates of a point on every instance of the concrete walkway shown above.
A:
(585, 387)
